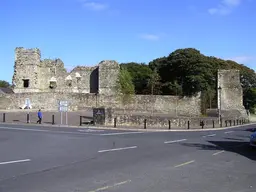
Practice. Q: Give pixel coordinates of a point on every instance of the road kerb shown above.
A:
(130, 129)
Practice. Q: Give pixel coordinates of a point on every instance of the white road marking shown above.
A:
(189, 162)
(11, 162)
(117, 149)
(174, 141)
(41, 130)
(122, 133)
(227, 132)
(110, 186)
(218, 152)
(212, 135)
(90, 130)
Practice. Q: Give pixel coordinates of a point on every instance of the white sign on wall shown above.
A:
(63, 106)
(27, 103)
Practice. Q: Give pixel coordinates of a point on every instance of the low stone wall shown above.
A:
(235, 113)
(172, 105)
(164, 121)
(113, 119)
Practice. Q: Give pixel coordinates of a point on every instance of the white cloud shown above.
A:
(220, 11)
(150, 37)
(242, 59)
(232, 2)
(225, 7)
(93, 5)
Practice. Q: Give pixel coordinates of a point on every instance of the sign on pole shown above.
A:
(27, 103)
(63, 107)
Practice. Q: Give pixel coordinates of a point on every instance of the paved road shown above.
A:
(52, 159)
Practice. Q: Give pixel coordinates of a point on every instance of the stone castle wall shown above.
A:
(108, 77)
(230, 96)
(51, 76)
(79, 101)
(86, 87)
(27, 64)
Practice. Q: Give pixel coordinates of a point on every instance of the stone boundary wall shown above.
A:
(78, 101)
(122, 121)
(164, 121)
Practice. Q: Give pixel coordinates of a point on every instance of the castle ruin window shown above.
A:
(78, 77)
(53, 83)
(25, 83)
(69, 81)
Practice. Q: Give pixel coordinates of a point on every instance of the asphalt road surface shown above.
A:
(51, 159)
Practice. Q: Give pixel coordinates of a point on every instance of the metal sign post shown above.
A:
(66, 117)
(63, 107)
(61, 117)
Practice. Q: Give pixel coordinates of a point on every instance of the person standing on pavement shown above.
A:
(39, 115)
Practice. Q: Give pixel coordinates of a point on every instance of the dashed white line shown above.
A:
(90, 130)
(11, 162)
(180, 165)
(212, 135)
(117, 149)
(175, 141)
(110, 186)
(122, 133)
(217, 153)
(227, 132)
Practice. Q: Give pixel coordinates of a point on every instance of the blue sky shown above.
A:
(85, 32)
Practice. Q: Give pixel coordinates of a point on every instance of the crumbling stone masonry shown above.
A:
(31, 74)
(172, 105)
(230, 93)
(46, 82)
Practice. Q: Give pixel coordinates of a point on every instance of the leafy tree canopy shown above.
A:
(4, 84)
(140, 74)
(187, 72)
(125, 83)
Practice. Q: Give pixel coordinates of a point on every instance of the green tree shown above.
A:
(185, 68)
(154, 83)
(250, 99)
(125, 86)
(4, 84)
(125, 83)
(140, 74)
(187, 72)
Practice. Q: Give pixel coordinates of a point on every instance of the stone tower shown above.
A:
(108, 76)
(230, 93)
(26, 69)
(31, 74)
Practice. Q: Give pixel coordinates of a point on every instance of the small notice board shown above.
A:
(63, 107)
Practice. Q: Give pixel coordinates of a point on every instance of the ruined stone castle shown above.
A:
(31, 74)
(46, 82)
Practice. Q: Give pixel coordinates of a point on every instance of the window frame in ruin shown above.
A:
(53, 83)
(26, 83)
